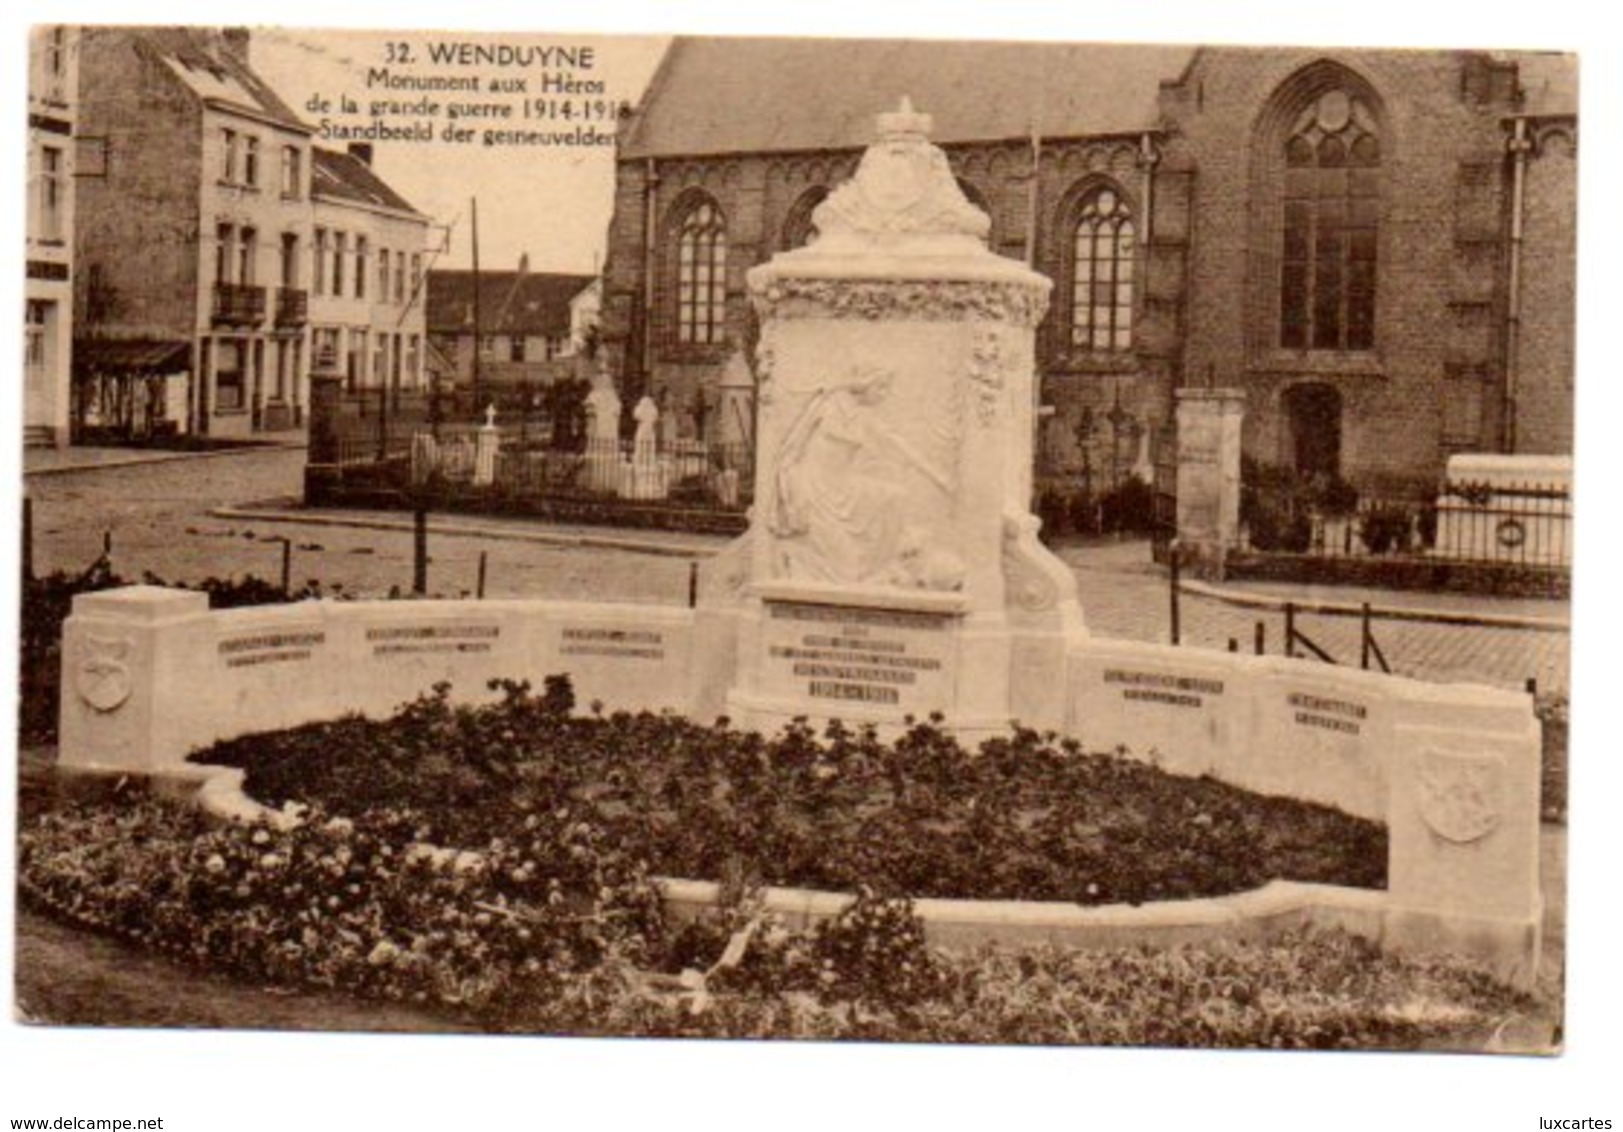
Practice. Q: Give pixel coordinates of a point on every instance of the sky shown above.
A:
(550, 203)
(556, 210)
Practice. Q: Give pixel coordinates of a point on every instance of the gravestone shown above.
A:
(646, 474)
(892, 567)
(603, 434)
(488, 443)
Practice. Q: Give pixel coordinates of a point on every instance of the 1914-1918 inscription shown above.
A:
(889, 657)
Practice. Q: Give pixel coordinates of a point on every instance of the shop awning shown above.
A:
(130, 355)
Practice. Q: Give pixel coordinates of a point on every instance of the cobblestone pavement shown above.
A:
(158, 518)
(1124, 594)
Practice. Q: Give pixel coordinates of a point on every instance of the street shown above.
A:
(158, 516)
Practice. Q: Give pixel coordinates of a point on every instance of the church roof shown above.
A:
(730, 95)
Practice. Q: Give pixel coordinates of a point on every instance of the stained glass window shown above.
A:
(1102, 273)
(701, 276)
(1331, 221)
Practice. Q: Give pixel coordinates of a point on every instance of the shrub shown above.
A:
(1054, 509)
(1278, 505)
(1386, 528)
(1129, 507)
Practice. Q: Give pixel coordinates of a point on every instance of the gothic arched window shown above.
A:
(1330, 224)
(1102, 253)
(799, 229)
(701, 275)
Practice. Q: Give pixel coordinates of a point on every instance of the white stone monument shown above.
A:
(603, 434)
(487, 444)
(892, 567)
(646, 477)
(1506, 508)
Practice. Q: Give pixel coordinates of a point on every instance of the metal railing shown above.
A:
(237, 304)
(521, 463)
(1518, 524)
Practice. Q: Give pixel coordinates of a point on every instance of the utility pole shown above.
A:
(478, 332)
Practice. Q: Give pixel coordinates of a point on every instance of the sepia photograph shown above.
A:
(989, 550)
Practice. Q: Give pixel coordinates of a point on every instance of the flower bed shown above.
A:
(559, 930)
(1024, 819)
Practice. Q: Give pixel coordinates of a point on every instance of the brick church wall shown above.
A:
(1206, 307)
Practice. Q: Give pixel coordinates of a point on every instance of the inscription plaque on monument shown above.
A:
(1327, 713)
(891, 657)
(635, 644)
(410, 640)
(249, 650)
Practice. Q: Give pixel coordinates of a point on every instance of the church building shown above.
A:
(1378, 247)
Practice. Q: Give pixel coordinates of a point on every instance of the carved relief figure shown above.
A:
(837, 506)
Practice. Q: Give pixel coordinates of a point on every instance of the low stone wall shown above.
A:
(150, 675)
(1452, 771)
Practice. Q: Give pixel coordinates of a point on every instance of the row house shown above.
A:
(367, 293)
(198, 238)
(1376, 246)
(48, 291)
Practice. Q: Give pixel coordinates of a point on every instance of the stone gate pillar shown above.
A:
(1209, 476)
(322, 470)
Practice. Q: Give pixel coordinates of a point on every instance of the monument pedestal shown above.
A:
(867, 656)
(892, 570)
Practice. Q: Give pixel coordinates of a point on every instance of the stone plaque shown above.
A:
(248, 650)
(1164, 688)
(1327, 713)
(633, 644)
(419, 640)
(832, 654)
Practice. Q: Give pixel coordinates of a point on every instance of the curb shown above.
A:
(467, 530)
(163, 458)
(1384, 613)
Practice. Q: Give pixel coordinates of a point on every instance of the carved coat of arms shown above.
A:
(102, 675)
(1461, 795)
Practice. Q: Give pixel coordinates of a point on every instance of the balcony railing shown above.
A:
(292, 307)
(238, 305)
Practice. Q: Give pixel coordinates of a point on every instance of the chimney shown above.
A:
(524, 263)
(361, 151)
(235, 40)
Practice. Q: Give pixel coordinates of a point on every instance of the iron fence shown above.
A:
(515, 462)
(1525, 525)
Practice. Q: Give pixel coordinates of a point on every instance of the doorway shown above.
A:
(1313, 429)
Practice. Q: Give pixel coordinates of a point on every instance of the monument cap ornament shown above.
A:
(903, 187)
